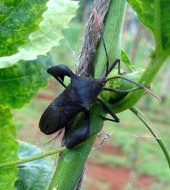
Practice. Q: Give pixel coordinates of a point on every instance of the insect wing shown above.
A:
(50, 119)
(61, 111)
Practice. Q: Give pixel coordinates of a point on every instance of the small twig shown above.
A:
(147, 123)
(32, 158)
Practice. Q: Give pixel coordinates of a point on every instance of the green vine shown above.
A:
(147, 123)
(32, 158)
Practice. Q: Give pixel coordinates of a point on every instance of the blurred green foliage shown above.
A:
(130, 132)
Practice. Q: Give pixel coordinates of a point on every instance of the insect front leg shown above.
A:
(75, 136)
(108, 109)
(116, 62)
(59, 72)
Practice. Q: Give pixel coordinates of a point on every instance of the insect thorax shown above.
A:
(87, 89)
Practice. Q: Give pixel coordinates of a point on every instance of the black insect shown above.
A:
(78, 96)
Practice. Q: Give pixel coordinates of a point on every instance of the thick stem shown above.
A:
(71, 164)
(112, 33)
(157, 25)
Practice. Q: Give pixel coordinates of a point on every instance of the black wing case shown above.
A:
(51, 119)
(61, 111)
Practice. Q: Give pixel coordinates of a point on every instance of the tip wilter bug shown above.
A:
(78, 96)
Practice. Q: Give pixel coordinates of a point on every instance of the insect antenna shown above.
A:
(139, 86)
(107, 57)
(98, 25)
(122, 91)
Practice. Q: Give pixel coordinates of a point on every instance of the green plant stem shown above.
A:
(32, 158)
(157, 25)
(147, 123)
(71, 164)
(156, 62)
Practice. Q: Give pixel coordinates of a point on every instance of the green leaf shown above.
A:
(21, 82)
(8, 149)
(56, 19)
(155, 15)
(145, 11)
(34, 175)
(126, 60)
(17, 20)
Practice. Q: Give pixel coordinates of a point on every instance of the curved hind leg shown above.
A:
(108, 109)
(74, 135)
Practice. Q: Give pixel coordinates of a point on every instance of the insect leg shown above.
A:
(105, 49)
(59, 72)
(60, 81)
(91, 56)
(78, 135)
(91, 62)
(139, 86)
(98, 24)
(116, 62)
(115, 118)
